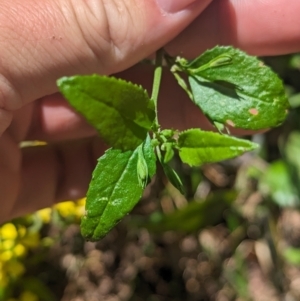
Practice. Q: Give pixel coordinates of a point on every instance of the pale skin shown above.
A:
(41, 41)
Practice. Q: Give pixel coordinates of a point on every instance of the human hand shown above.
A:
(50, 40)
(41, 41)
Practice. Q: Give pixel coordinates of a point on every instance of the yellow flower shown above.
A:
(19, 250)
(6, 255)
(45, 215)
(7, 244)
(80, 208)
(8, 231)
(79, 212)
(81, 202)
(66, 209)
(28, 296)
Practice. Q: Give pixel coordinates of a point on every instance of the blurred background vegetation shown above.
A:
(235, 236)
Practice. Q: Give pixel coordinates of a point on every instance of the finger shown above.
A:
(21, 121)
(54, 173)
(260, 27)
(42, 41)
(10, 161)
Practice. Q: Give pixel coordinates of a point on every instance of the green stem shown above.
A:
(156, 82)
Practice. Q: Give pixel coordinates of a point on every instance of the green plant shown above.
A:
(231, 88)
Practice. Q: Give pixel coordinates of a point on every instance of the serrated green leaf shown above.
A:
(197, 147)
(114, 190)
(241, 92)
(121, 112)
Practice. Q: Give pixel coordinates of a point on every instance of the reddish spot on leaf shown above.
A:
(253, 111)
(230, 123)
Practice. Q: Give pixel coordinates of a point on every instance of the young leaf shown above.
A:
(142, 168)
(150, 157)
(173, 177)
(170, 173)
(120, 111)
(114, 190)
(236, 89)
(146, 166)
(168, 154)
(197, 147)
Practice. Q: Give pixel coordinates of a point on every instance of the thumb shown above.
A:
(41, 41)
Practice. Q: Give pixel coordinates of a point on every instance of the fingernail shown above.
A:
(174, 6)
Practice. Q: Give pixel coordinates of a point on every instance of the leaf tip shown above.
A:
(255, 146)
(60, 81)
